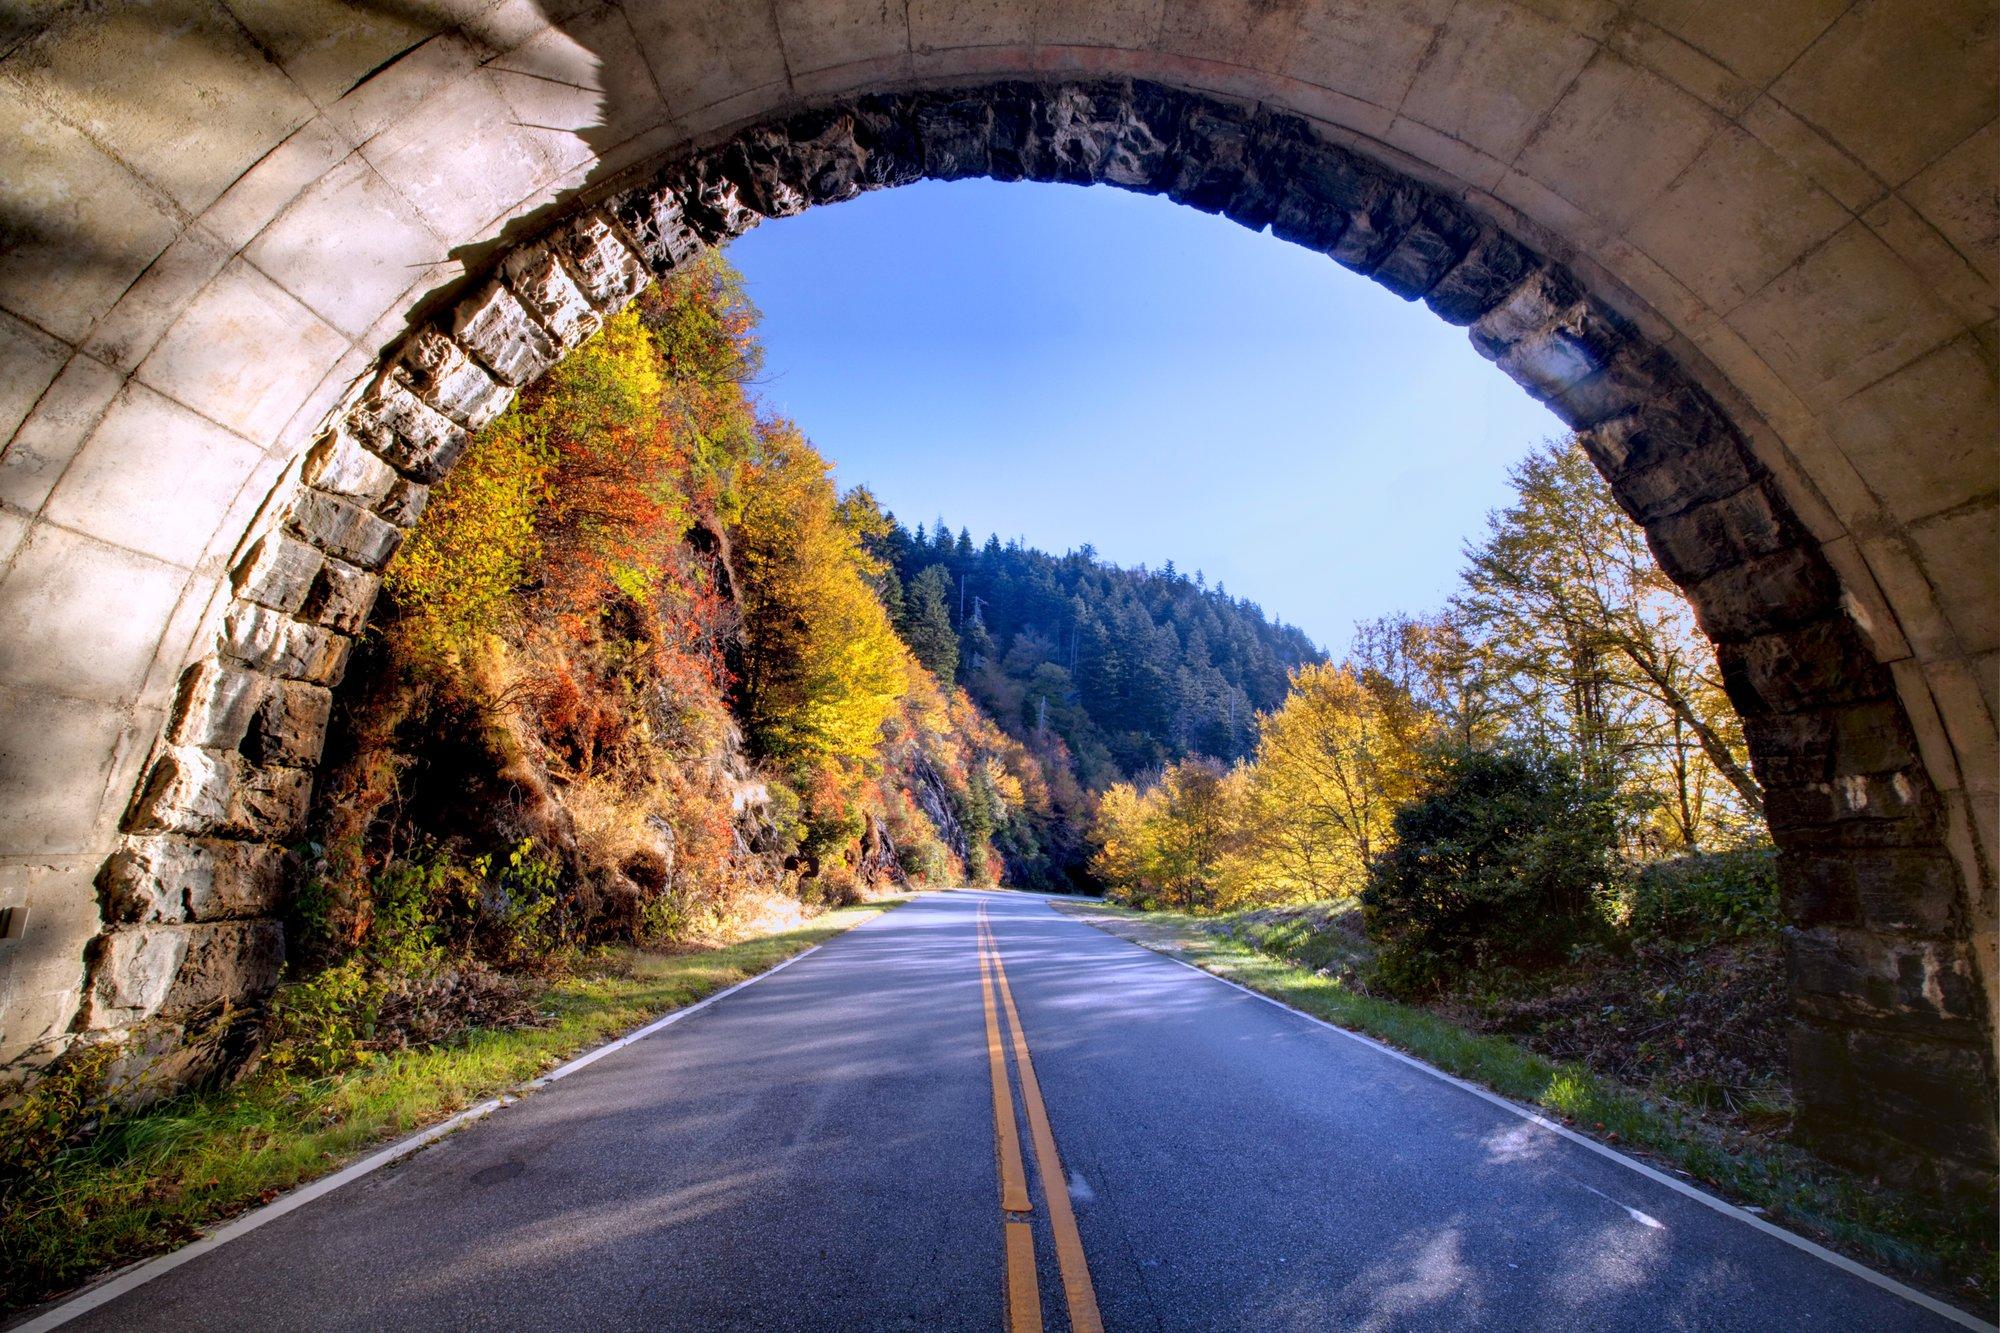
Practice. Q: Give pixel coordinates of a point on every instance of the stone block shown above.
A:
(1903, 889)
(132, 971)
(1872, 738)
(1815, 890)
(1736, 218)
(341, 528)
(1576, 343)
(1494, 72)
(657, 219)
(82, 228)
(497, 328)
(1948, 398)
(341, 465)
(273, 642)
(812, 159)
(178, 86)
(30, 360)
(953, 136)
(1924, 1089)
(459, 157)
(289, 728)
(270, 803)
(1892, 982)
(328, 46)
(341, 597)
(1848, 313)
(1441, 237)
(1619, 134)
(1941, 55)
(1766, 594)
(417, 438)
(544, 285)
(605, 267)
(189, 791)
(51, 435)
(178, 971)
(1949, 543)
(892, 153)
(1662, 462)
(347, 247)
(216, 703)
(278, 572)
(1535, 304)
(1212, 157)
(1368, 50)
(245, 353)
(441, 373)
(579, 88)
(1801, 669)
(147, 447)
(1700, 541)
(83, 618)
(405, 502)
(714, 205)
(1636, 373)
(167, 878)
(706, 51)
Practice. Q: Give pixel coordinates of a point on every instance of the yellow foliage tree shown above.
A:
(822, 667)
(454, 581)
(1179, 844)
(1333, 764)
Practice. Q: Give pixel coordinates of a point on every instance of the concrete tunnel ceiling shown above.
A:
(224, 220)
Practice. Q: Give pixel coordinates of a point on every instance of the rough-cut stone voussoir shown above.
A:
(341, 527)
(273, 642)
(176, 971)
(168, 878)
(341, 465)
(278, 572)
(607, 269)
(197, 792)
(412, 435)
(508, 341)
(537, 275)
(445, 377)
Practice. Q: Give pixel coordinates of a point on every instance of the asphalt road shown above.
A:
(818, 1151)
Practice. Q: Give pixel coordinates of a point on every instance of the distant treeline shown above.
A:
(1132, 668)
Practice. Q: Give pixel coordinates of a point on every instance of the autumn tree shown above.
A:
(1596, 653)
(1333, 766)
(822, 668)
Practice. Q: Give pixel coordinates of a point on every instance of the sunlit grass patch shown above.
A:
(147, 1181)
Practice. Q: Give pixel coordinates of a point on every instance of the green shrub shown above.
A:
(1704, 897)
(1504, 857)
(322, 1025)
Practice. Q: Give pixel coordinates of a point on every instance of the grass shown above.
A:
(152, 1180)
(1949, 1249)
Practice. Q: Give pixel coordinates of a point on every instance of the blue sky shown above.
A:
(1072, 365)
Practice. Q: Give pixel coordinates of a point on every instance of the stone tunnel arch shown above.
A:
(226, 444)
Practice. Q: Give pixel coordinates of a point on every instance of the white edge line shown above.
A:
(1797, 1242)
(140, 1274)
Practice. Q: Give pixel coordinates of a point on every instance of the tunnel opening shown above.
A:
(1891, 1052)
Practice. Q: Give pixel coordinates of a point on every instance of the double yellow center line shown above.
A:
(1024, 1306)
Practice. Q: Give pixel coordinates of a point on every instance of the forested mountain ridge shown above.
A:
(1132, 668)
